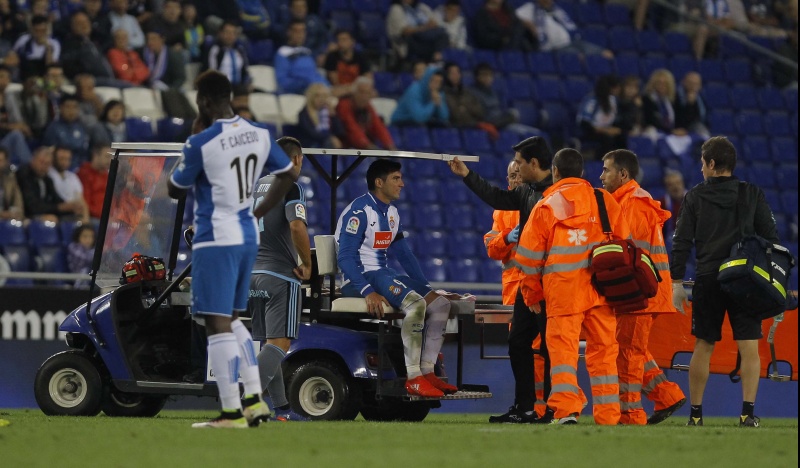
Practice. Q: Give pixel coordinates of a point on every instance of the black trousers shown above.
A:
(525, 325)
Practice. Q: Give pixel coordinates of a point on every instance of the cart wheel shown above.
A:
(68, 383)
(320, 391)
(132, 405)
(397, 410)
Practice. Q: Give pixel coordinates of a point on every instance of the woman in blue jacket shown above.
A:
(423, 103)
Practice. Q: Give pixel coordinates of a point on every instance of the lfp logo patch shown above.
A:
(352, 225)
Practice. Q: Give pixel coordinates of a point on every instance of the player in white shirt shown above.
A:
(222, 163)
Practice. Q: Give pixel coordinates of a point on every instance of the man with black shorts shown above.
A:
(275, 303)
(708, 220)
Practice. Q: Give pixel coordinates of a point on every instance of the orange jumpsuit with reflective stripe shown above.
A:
(553, 253)
(638, 372)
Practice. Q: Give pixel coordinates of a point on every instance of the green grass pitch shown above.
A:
(442, 440)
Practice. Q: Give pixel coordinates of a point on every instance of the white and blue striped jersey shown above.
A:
(222, 163)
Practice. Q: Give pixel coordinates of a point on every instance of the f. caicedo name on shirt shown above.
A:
(239, 139)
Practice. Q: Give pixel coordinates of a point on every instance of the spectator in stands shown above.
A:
(497, 28)
(126, 62)
(13, 23)
(691, 112)
(363, 128)
(89, 102)
(81, 55)
(414, 32)
(32, 104)
(54, 88)
(8, 57)
(120, 19)
(80, 252)
(554, 30)
(101, 23)
(465, 107)
(254, 18)
(228, 56)
(638, 8)
(194, 34)
(672, 198)
(785, 76)
(38, 193)
(37, 49)
(597, 115)
(658, 112)
(68, 130)
(113, 125)
(295, 66)
(142, 10)
(11, 206)
(763, 19)
(450, 18)
(496, 112)
(13, 130)
(317, 123)
(66, 183)
(316, 39)
(169, 23)
(423, 103)
(94, 176)
(166, 65)
(344, 63)
(418, 68)
(629, 106)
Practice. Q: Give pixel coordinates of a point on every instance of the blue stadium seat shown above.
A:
(677, 43)
(756, 149)
(760, 173)
(66, 228)
(428, 215)
(617, 15)
(781, 225)
(649, 41)
(173, 129)
(329, 6)
(464, 270)
(744, 98)
(43, 233)
(592, 171)
(790, 96)
(18, 257)
(786, 177)
(397, 136)
(446, 140)
(51, 259)
(717, 96)
(642, 146)
(458, 217)
(455, 191)
(730, 47)
(557, 119)
(595, 35)
(458, 56)
(505, 141)
(652, 62)
(771, 99)
(621, 40)
(12, 233)
(652, 172)
(776, 124)
(475, 140)
(491, 271)
(528, 113)
(466, 244)
(260, 52)
(513, 61)
(576, 90)
(750, 123)
(139, 129)
(372, 31)
(542, 63)
(738, 71)
(485, 56)
(789, 203)
(597, 65)
(721, 122)
(627, 64)
(434, 269)
(783, 150)
(343, 19)
(519, 89)
(490, 167)
(417, 138)
(548, 90)
(386, 84)
(683, 64)
(570, 64)
(590, 13)
(712, 70)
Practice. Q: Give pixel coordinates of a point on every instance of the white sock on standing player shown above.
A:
(248, 367)
(223, 355)
(438, 312)
(413, 307)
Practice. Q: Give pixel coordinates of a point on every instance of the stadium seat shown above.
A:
(592, 171)
(142, 102)
(263, 78)
(677, 43)
(466, 244)
(172, 129)
(446, 140)
(642, 146)
(721, 122)
(12, 232)
(652, 172)
(343, 19)
(423, 190)
(776, 124)
(528, 114)
(783, 150)
(576, 90)
(750, 123)
(475, 140)
(548, 90)
(384, 107)
(191, 96)
(570, 64)
(434, 269)
(460, 57)
(771, 99)
(51, 259)
(290, 106)
(454, 190)
(458, 217)
(760, 173)
(717, 96)
(652, 62)
(617, 15)
(491, 271)
(490, 167)
(372, 31)
(463, 270)
(43, 233)
(627, 64)
(789, 203)
(140, 129)
(786, 177)
(738, 71)
(681, 65)
(417, 138)
(597, 65)
(485, 56)
(66, 228)
(730, 47)
(260, 52)
(556, 118)
(386, 84)
(595, 35)
(397, 136)
(519, 89)
(429, 215)
(744, 98)
(790, 96)
(712, 70)
(431, 243)
(18, 257)
(649, 41)
(108, 93)
(590, 13)
(513, 61)
(756, 149)
(329, 6)
(542, 63)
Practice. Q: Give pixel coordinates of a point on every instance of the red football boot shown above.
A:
(420, 386)
(440, 384)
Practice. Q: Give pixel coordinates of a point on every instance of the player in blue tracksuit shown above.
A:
(367, 230)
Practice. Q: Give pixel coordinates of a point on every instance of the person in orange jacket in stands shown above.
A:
(638, 372)
(553, 253)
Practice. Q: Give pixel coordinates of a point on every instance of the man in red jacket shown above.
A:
(93, 176)
(363, 129)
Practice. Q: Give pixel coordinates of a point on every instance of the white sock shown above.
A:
(223, 355)
(413, 307)
(438, 311)
(248, 367)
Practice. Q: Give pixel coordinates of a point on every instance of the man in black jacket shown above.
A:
(708, 220)
(533, 157)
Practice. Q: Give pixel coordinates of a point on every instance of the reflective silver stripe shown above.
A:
(532, 254)
(566, 388)
(565, 267)
(658, 249)
(493, 232)
(629, 387)
(539, 402)
(530, 270)
(650, 365)
(511, 264)
(651, 385)
(642, 244)
(630, 405)
(662, 266)
(538, 386)
(563, 368)
(605, 399)
(560, 250)
(604, 380)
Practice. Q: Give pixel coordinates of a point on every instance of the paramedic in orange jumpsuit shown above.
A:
(638, 371)
(553, 253)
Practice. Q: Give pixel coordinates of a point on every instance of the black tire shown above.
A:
(132, 405)
(69, 384)
(397, 410)
(321, 392)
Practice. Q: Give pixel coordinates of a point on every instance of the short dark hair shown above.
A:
(296, 21)
(722, 151)
(213, 85)
(110, 105)
(569, 163)
(624, 159)
(39, 19)
(58, 148)
(341, 31)
(380, 169)
(228, 22)
(535, 147)
(290, 145)
(76, 233)
(68, 97)
(482, 67)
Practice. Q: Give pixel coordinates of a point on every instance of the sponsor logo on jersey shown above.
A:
(395, 290)
(300, 211)
(352, 225)
(391, 222)
(382, 240)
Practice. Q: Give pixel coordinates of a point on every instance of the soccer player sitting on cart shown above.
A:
(367, 230)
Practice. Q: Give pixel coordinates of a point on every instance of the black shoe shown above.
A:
(695, 421)
(514, 416)
(661, 415)
(547, 418)
(749, 421)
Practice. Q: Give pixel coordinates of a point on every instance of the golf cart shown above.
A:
(131, 348)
